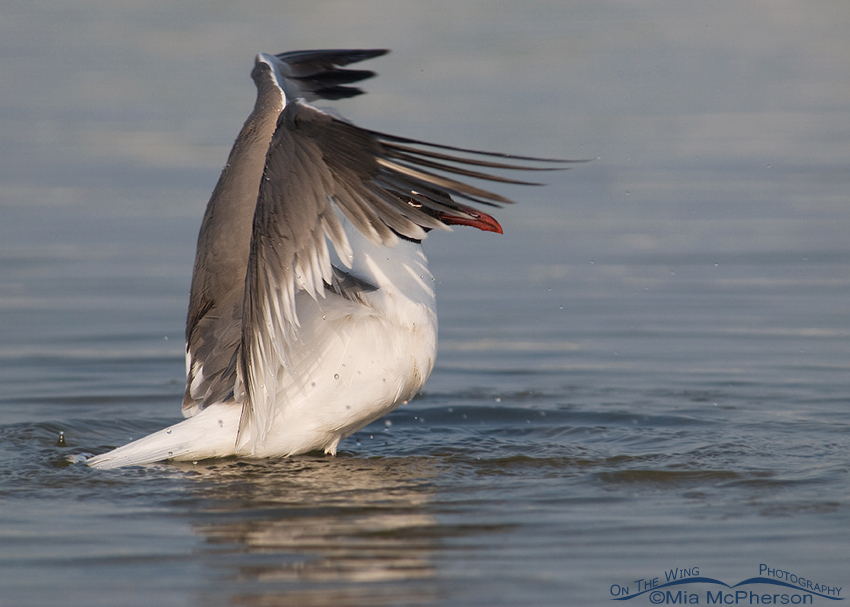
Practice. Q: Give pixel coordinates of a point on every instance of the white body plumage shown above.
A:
(355, 362)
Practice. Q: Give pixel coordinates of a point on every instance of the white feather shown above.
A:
(210, 433)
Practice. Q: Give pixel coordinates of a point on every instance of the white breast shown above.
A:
(355, 361)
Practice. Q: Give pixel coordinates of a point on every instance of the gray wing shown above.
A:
(214, 319)
(385, 186)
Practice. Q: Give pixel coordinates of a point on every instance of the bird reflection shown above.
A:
(316, 531)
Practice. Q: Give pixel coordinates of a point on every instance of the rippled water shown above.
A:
(649, 370)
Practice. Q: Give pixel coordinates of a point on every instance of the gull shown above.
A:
(312, 310)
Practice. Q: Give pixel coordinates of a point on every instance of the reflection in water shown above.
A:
(317, 531)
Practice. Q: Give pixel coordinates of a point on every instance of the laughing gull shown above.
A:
(292, 345)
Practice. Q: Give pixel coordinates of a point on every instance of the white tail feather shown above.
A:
(210, 433)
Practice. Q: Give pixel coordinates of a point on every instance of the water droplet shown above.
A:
(388, 423)
(336, 375)
(170, 453)
(168, 431)
(61, 441)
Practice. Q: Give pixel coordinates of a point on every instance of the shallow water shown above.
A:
(648, 371)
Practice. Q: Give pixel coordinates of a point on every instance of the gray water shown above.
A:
(647, 372)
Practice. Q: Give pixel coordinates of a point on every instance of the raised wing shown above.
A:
(385, 186)
(214, 319)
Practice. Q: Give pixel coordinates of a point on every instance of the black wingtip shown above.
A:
(330, 57)
(320, 73)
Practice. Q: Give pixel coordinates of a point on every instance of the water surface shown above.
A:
(648, 371)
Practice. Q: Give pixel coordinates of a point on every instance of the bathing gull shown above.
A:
(312, 309)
